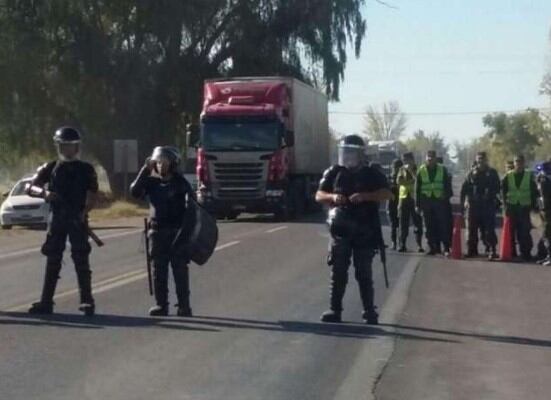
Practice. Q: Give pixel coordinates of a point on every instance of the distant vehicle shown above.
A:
(383, 153)
(20, 209)
(264, 144)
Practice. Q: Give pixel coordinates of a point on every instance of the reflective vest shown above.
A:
(407, 189)
(434, 189)
(519, 195)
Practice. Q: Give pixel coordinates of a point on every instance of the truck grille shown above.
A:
(239, 180)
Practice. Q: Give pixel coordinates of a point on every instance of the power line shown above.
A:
(442, 112)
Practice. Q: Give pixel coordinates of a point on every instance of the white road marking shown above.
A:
(111, 283)
(225, 246)
(279, 228)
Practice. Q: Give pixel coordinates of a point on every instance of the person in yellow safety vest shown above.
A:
(406, 203)
(520, 194)
(392, 206)
(433, 190)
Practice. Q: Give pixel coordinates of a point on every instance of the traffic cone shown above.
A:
(505, 246)
(456, 252)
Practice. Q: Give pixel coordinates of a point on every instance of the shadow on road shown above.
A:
(205, 324)
(492, 338)
(98, 321)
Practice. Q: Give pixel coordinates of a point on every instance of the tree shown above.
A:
(134, 69)
(520, 133)
(421, 142)
(389, 124)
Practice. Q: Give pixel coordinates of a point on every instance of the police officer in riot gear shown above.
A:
(392, 209)
(520, 195)
(433, 191)
(406, 206)
(544, 185)
(353, 190)
(479, 196)
(70, 186)
(167, 191)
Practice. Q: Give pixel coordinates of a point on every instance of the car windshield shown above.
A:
(248, 136)
(19, 188)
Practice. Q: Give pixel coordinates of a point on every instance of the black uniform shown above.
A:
(167, 210)
(544, 184)
(520, 215)
(479, 195)
(360, 246)
(70, 181)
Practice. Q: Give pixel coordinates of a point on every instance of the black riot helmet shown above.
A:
(168, 155)
(67, 140)
(351, 151)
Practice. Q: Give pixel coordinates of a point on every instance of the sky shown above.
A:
(447, 56)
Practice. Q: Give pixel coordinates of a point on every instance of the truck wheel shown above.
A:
(6, 227)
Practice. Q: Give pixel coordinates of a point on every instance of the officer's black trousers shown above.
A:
(521, 224)
(59, 229)
(392, 211)
(342, 253)
(437, 219)
(162, 255)
(481, 217)
(407, 213)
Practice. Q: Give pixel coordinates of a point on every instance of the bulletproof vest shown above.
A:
(69, 181)
(168, 201)
(350, 220)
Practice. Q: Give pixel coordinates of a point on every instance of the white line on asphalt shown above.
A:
(111, 283)
(225, 246)
(279, 228)
(37, 249)
(375, 354)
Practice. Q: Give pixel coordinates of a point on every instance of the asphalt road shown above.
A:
(255, 335)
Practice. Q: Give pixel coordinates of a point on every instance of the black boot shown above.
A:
(331, 316)
(40, 308)
(181, 281)
(46, 303)
(419, 240)
(88, 309)
(160, 283)
(158, 311)
(84, 278)
(371, 317)
(493, 254)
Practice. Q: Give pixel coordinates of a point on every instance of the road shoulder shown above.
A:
(487, 328)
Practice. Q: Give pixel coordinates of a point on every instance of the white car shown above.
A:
(21, 209)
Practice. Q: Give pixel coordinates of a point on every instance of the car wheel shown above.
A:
(6, 227)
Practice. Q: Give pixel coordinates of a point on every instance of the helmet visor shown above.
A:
(68, 151)
(350, 156)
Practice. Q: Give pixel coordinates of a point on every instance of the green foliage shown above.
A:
(520, 133)
(421, 142)
(134, 69)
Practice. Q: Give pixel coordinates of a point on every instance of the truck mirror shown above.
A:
(289, 138)
(192, 133)
(5, 194)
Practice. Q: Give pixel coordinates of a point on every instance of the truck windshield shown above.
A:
(233, 136)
